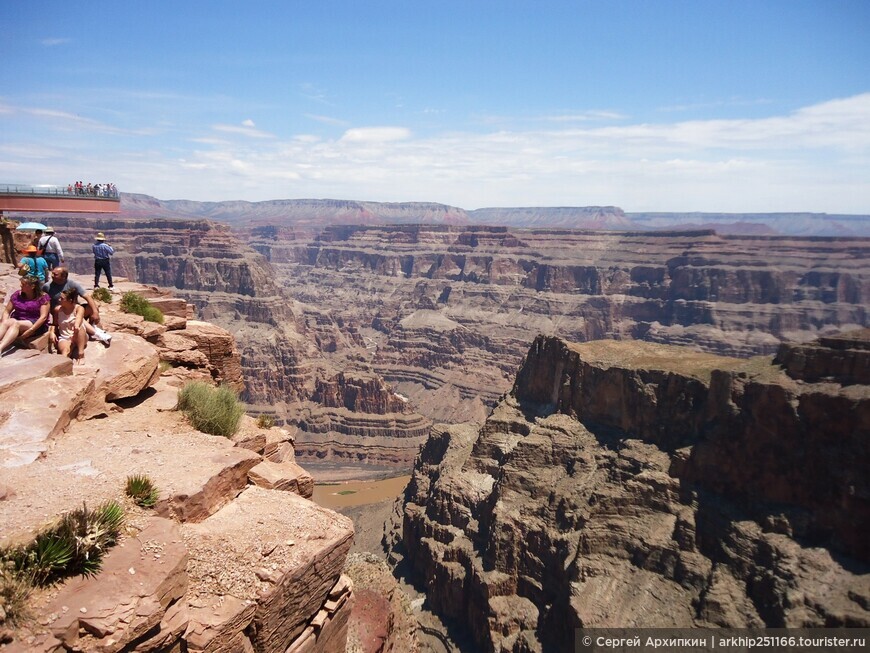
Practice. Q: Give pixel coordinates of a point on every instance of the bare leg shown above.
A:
(14, 328)
(64, 347)
(81, 343)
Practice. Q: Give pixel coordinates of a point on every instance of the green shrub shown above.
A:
(135, 303)
(141, 489)
(103, 295)
(265, 421)
(211, 410)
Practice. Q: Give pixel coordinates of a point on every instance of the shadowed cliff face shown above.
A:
(630, 484)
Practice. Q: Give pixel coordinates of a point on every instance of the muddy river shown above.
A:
(358, 493)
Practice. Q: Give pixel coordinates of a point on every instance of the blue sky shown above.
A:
(650, 106)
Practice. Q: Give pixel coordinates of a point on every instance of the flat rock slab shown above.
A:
(288, 565)
(195, 473)
(26, 365)
(129, 596)
(33, 413)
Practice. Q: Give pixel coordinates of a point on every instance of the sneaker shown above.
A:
(102, 336)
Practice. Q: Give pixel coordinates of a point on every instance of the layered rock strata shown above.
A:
(288, 349)
(626, 484)
(446, 312)
(216, 565)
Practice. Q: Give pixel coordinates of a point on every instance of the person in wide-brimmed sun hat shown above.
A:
(102, 260)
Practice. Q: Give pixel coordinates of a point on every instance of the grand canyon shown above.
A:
(611, 419)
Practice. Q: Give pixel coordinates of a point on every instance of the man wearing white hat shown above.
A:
(52, 252)
(102, 260)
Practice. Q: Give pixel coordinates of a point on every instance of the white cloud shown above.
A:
(49, 43)
(376, 134)
(812, 159)
(248, 123)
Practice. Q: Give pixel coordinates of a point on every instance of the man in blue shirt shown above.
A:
(102, 260)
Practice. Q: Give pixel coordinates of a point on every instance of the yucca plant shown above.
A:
(92, 532)
(265, 421)
(141, 489)
(74, 545)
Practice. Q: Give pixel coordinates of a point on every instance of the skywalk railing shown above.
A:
(46, 190)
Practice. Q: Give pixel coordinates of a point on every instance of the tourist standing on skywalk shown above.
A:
(102, 260)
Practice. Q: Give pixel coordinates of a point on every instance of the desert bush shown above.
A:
(74, 545)
(103, 295)
(211, 410)
(135, 303)
(265, 421)
(14, 592)
(141, 489)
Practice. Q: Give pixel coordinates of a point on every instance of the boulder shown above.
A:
(123, 370)
(287, 476)
(218, 625)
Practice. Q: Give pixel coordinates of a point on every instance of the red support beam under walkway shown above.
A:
(58, 203)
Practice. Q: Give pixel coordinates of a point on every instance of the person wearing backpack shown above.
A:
(33, 263)
(51, 250)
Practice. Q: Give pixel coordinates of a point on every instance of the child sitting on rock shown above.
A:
(66, 332)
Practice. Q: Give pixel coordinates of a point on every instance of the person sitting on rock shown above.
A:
(33, 264)
(60, 281)
(67, 332)
(26, 313)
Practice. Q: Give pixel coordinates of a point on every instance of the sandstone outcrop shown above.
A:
(636, 484)
(231, 558)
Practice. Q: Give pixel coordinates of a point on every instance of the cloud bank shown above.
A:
(812, 159)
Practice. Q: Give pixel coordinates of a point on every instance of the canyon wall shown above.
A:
(447, 312)
(629, 484)
(291, 351)
(438, 317)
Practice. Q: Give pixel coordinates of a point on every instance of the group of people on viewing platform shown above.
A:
(92, 190)
(49, 301)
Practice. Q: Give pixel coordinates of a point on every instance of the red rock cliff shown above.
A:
(634, 484)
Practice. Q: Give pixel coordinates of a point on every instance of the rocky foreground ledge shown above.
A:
(628, 484)
(233, 557)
